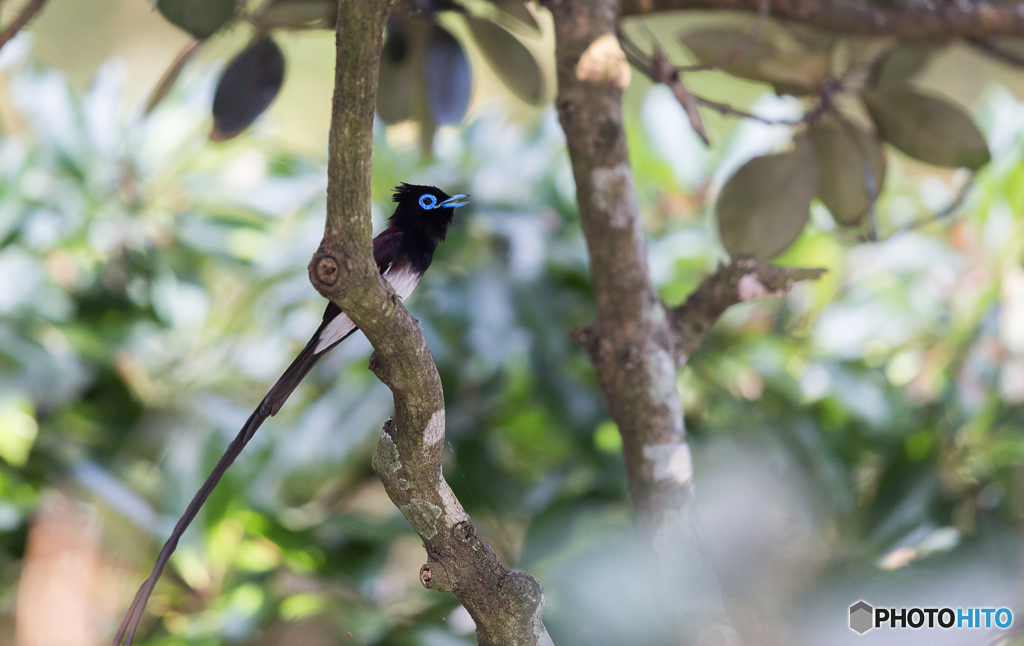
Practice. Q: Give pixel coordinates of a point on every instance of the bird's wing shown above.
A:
(385, 248)
(337, 326)
(395, 270)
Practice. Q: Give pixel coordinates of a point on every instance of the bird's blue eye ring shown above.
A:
(428, 201)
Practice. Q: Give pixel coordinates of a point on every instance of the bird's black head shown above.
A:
(425, 210)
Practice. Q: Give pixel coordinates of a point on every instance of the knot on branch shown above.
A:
(326, 271)
(587, 337)
(522, 588)
(434, 576)
(465, 532)
(386, 459)
(742, 280)
(376, 368)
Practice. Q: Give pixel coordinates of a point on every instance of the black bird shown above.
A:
(403, 251)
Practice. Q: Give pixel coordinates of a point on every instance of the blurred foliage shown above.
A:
(424, 73)
(861, 435)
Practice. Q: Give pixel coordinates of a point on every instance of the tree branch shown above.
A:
(505, 605)
(997, 51)
(28, 12)
(905, 20)
(740, 281)
(631, 340)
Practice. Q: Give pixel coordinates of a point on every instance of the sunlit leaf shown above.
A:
(514, 64)
(201, 18)
(764, 206)
(297, 14)
(447, 78)
(926, 127)
(247, 87)
(773, 58)
(851, 168)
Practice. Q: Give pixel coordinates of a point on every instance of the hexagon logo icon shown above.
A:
(862, 617)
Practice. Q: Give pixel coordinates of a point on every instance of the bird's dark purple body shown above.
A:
(403, 252)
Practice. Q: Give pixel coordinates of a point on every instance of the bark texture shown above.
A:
(933, 21)
(636, 342)
(506, 605)
(632, 339)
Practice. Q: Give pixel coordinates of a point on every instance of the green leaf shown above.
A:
(201, 18)
(764, 206)
(851, 168)
(514, 64)
(776, 57)
(297, 14)
(926, 127)
(901, 65)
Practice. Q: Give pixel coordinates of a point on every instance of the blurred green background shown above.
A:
(860, 438)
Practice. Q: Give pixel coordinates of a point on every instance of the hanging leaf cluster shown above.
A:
(765, 205)
(424, 75)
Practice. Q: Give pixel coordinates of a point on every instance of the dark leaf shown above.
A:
(900, 65)
(247, 88)
(397, 76)
(201, 18)
(811, 37)
(764, 206)
(927, 128)
(171, 75)
(851, 168)
(447, 78)
(298, 14)
(510, 59)
(776, 57)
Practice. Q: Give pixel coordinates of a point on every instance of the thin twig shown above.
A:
(667, 74)
(993, 49)
(28, 12)
(166, 82)
(946, 212)
(656, 67)
(728, 110)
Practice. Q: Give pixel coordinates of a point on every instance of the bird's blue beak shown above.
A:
(453, 201)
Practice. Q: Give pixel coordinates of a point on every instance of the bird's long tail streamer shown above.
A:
(268, 407)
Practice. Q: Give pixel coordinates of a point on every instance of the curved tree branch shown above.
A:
(742, 280)
(28, 12)
(505, 605)
(931, 21)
